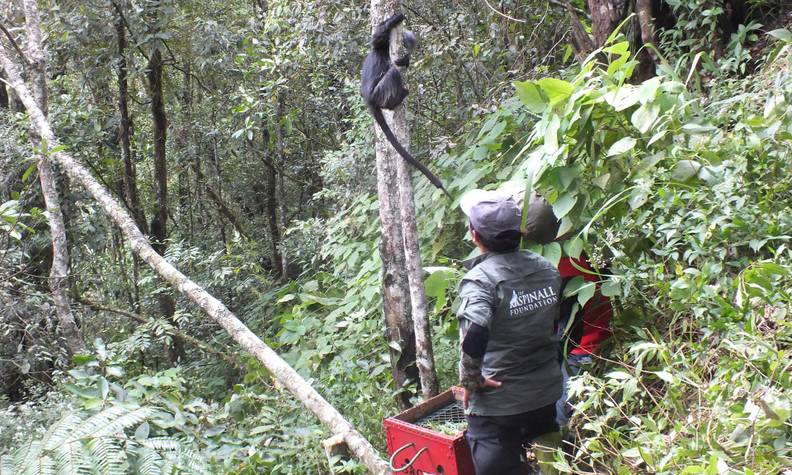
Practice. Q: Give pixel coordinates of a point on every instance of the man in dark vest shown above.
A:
(509, 366)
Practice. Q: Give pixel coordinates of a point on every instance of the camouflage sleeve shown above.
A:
(476, 308)
(470, 376)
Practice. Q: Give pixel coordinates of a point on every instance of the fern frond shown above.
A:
(61, 430)
(149, 462)
(72, 459)
(111, 421)
(44, 465)
(27, 454)
(107, 457)
(7, 465)
(162, 443)
(192, 463)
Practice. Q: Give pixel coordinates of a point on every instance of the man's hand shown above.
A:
(488, 383)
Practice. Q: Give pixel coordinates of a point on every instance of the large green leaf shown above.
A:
(530, 95)
(564, 204)
(555, 89)
(621, 146)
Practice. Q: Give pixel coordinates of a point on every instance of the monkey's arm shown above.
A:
(381, 37)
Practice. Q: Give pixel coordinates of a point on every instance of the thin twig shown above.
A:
(178, 334)
(503, 14)
(174, 66)
(16, 46)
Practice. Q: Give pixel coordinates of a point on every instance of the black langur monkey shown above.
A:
(382, 85)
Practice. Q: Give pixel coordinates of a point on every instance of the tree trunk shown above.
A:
(58, 280)
(607, 15)
(159, 223)
(271, 203)
(224, 210)
(580, 39)
(424, 354)
(399, 329)
(3, 92)
(125, 132)
(281, 193)
(280, 370)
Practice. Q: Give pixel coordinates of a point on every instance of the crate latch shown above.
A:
(408, 464)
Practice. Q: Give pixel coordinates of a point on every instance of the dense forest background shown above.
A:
(234, 134)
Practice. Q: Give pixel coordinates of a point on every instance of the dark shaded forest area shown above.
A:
(211, 261)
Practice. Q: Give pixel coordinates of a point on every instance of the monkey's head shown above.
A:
(409, 40)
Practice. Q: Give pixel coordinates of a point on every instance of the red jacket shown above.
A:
(588, 332)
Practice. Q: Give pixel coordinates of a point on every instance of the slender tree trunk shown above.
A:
(399, 329)
(58, 280)
(159, 223)
(424, 354)
(607, 15)
(271, 202)
(280, 193)
(3, 92)
(580, 39)
(281, 371)
(125, 132)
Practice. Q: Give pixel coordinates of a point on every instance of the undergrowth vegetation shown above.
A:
(678, 189)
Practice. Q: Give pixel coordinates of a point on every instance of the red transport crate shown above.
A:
(415, 449)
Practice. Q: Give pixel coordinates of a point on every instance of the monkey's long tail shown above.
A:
(380, 118)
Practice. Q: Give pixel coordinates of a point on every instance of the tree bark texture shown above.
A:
(125, 132)
(271, 204)
(159, 223)
(280, 192)
(606, 15)
(397, 308)
(3, 92)
(59, 272)
(215, 309)
(580, 39)
(424, 354)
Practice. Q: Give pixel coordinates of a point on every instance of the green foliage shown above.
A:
(685, 200)
(112, 428)
(683, 197)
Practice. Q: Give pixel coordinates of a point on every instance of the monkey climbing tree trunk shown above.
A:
(60, 253)
(424, 354)
(159, 223)
(401, 268)
(281, 371)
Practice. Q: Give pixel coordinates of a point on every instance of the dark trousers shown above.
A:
(496, 442)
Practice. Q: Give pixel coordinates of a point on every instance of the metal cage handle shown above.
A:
(408, 464)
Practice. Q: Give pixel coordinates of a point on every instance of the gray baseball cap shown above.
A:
(491, 212)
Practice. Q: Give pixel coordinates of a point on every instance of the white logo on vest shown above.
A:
(526, 301)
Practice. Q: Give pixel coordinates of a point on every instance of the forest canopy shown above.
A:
(211, 261)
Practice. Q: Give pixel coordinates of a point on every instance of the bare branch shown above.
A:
(15, 45)
(176, 332)
(498, 12)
